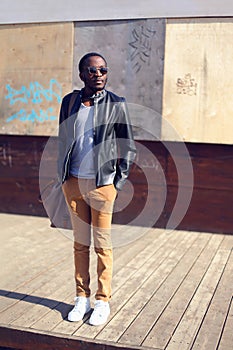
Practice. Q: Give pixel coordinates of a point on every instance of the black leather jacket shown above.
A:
(114, 148)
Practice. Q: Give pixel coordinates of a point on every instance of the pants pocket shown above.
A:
(107, 193)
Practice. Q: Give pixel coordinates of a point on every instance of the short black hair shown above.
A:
(85, 57)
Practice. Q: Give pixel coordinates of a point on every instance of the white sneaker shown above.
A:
(100, 314)
(82, 306)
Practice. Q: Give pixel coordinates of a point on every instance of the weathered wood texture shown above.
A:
(171, 290)
(154, 182)
(197, 86)
(35, 72)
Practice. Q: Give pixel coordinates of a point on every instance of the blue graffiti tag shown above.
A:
(23, 116)
(35, 94)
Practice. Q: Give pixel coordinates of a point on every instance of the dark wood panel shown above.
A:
(154, 172)
(20, 156)
(150, 163)
(208, 208)
(20, 196)
(27, 340)
(19, 174)
(212, 165)
(144, 209)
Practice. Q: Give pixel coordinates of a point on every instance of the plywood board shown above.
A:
(35, 72)
(198, 80)
(134, 51)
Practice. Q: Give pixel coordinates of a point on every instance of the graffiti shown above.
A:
(35, 94)
(141, 46)
(32, 116)
(145, 163)
(186, 86)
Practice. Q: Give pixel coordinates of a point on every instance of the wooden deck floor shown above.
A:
(171, 290)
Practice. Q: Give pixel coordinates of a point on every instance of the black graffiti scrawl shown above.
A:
(140, 46)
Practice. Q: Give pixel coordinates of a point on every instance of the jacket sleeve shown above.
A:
(62, 136)
(125, 144)
(69, 107)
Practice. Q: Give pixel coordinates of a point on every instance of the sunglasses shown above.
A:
(93, 70)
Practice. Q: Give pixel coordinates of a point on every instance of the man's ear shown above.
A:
(81, 76)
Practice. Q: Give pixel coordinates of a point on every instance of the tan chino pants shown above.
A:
(91, 210)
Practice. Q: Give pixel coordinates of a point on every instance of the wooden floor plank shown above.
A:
(30, 286)
(31, 300)
(226, 340)
(28, 257)
(121, 321)
(227, 242)
(49, 299)
(127, 252)
(162, 332)
(138, 329)
(187, 329)
(126, 235)
(211, 329)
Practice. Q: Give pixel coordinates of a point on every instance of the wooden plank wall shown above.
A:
(210, 208)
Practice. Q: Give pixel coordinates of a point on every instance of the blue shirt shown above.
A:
(82, 160)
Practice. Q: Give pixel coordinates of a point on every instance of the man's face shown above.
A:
(94, 79)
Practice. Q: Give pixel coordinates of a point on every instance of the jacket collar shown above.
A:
(94, 96)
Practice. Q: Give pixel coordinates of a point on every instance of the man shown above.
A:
(96, 150)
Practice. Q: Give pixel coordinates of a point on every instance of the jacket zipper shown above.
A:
(94, 133)
(94, 118)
